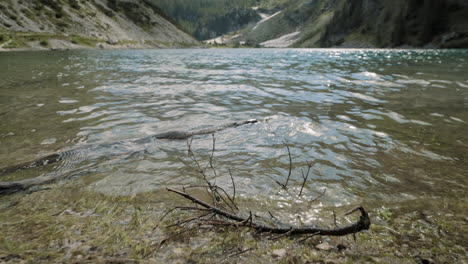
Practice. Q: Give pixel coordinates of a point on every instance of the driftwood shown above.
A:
(223, 210)
(15, 186)
(362, 224)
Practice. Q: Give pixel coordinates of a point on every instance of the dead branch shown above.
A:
(224, 211)
(214, 194)
(231, 204)
(305, 176)
(285, 185)
(233, 186)
(320, 196)
(236, 220)
(219, 196)
(210, 162)
(241, 251)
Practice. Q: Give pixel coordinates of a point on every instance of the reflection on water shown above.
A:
(380, 124)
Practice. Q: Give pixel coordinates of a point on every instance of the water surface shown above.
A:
(377, 125)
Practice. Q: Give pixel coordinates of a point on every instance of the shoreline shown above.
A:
(62, 45)
(147, 47)
(52, 42)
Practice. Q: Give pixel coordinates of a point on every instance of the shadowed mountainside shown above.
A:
(362, 23)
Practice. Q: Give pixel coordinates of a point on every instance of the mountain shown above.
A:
(45, 24)
(206, 19)
(63, 24)
(358, 23)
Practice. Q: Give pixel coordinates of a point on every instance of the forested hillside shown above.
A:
(207, 19)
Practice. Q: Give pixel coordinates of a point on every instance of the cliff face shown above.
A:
(364, 23)
(438, 23)
(94, 23)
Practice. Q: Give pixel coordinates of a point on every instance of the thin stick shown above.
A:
(334, 219)
(310, 236)
(305, 177)
(210, 161)
(231, 201)
(186, 164)
(233, 186)
(164, 216)
(320, 196)
(290, 165)
(237, 254)
(188, 220)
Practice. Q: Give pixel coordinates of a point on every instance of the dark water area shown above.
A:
(379, 126)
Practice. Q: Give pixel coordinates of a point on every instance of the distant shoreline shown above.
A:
(60, 44)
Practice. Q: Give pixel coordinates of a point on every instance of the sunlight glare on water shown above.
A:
(390, 125)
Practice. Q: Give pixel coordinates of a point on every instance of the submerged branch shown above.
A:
(285, 185)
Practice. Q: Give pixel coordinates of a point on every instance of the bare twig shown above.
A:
(188, 220)
(272, 216)
(334, 219)
(241, 251)
(231, 203)
(310, 236)
(213, 192)
(305, 176)
(284, 234)
(233, 186)
(320, 196)
(164, 216)
(186, 164)
(210, 160)
(290, 165)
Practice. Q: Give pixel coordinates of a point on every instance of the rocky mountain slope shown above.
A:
(63, 24)
(206, 19)
(361, 23)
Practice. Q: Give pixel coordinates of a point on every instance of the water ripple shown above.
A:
(386, 122)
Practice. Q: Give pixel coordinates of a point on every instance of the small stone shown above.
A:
(323, 246)
(178, 251)
(427, 261)
(279, 253)
(341, 247)
(376, 260)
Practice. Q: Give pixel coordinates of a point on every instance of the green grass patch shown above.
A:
(3, 38)
(44, 43)
(22, 39)
(16, 43)
(70, 224)
(126, 42)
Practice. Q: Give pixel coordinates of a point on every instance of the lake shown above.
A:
(377, 126)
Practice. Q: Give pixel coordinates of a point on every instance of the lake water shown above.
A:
(379, 126)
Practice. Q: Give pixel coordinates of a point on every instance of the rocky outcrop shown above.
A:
(366, 23)
(417, 23)
(94, 24)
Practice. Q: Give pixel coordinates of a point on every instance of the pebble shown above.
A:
(323, 246)
(279, 252)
